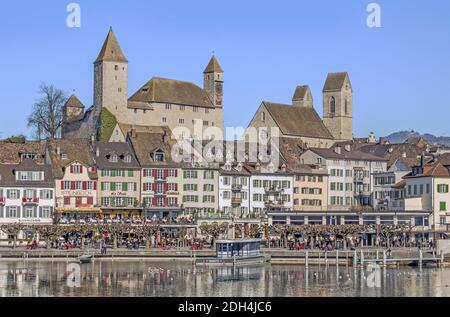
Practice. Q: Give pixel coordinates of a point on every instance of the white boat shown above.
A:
(85, 259)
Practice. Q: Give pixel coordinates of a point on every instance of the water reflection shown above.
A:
(145, 278)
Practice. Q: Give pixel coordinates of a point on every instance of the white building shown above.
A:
(234, 191)
(27, 195)
(270, 190)
(427, 190)
(388, 188)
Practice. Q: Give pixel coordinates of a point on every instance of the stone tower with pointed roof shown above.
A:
(73, 110)
(213, 82)
(338, 106)
(111, 78)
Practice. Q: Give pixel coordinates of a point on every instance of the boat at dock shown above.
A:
(84, 259)
(236, 253)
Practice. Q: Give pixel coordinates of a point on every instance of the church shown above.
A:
(159, 102)
(300, 120)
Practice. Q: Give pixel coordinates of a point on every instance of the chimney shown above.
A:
(58, 150)
(338, 149)
(92, 140)
(97, 152)
(258, 167)
(165, 137)
(133, 133)
(404, 155)
(348, 147)
(283, 168)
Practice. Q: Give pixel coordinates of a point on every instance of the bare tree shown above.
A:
(46, 118)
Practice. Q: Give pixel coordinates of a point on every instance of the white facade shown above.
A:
(234, 193)
(430, 194)
(26, 205)
(271, 192)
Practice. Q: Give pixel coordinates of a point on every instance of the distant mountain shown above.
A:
(402, 136)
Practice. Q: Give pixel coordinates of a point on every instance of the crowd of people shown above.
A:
(184, 220)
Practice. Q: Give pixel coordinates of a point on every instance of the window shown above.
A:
(164, 120)
(168, 107)
(346, 106)
(45, 212)
(181, 121)
(13, 194)
(182, 108)
(190, 174)
(195, 109)
(12, 212)
(46, 194)
(263, 117)
(442, 188)
(226, 195)
(29, 212)
(208, 175)
(332, 106)
(114, 159)
(158, 156)
(127, 159)
(116, 67)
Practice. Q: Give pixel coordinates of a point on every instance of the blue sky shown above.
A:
(400, 72)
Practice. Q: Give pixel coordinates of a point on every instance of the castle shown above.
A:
(159, 102)
(179, 104)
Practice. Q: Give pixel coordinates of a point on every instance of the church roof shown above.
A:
(111, 51)
(298, 121)
(162, 90)
(213, 66)
(335, 81)
(74, 102)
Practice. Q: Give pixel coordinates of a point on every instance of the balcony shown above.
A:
(2, 201)
(160, 180)
(236, 201)
(30, 201)
(273, 190)
(236, 187)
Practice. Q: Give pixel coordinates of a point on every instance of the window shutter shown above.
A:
(62, 185)
(95, 185)
(72, 185)
(113, 186)
(166, 187)
(155, 173)
(84, 185)
(102, 186)
(446, 188)
(125, 187)
(71, 169)
(81, 169)
(176, 187)
(154, 187)
(166, 173)
(166, 201)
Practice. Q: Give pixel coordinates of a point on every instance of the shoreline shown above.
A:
(278, 256)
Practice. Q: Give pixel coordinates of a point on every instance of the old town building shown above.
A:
(75, 173)
(119, 180)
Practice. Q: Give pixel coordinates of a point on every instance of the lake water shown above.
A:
(169, 278)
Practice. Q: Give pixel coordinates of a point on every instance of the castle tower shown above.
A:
(303, 97)
(111, 77)
(213, 82)
(338, 106)
(73, 110)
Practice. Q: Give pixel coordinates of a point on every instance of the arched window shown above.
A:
(263, 117)
(346, 106)
(332, 106)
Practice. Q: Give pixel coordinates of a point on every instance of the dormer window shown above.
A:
(30, 156)
(114, 158)
(76, 169)
(64, 156)
(158, 156)
(127, 158)
(227, 166)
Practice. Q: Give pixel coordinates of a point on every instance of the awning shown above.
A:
(78, 210)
